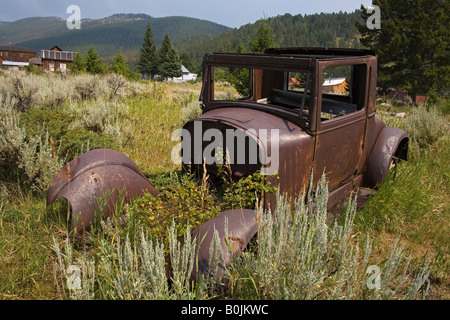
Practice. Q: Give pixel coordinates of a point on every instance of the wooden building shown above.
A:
(335, 85)
(56, 59)
(36, 61)
(16, 54)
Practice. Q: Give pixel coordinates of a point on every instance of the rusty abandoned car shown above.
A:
(298, 110)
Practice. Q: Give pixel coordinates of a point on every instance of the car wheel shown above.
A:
(393, 166)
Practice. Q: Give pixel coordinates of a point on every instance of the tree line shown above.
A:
(91, 63)
(152, 62)
(322, 29)
(160, 63)
(412, 44)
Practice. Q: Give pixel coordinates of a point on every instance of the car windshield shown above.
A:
(285, 89)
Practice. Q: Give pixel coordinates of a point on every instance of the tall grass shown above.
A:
(299, 256)
(152, 125)
(131, 269)
(416, 203)
(26, 260)
(296, 256)
(29, 159)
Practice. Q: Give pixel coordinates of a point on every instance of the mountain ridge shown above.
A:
(108, 35)
(192, 36)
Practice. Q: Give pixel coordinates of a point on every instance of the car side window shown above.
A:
(343, 90)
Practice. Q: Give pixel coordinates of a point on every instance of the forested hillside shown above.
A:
(118, 32)
(192, 36)
(324, 29)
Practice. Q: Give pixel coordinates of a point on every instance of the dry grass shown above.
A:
(154, 116)
(415, 206)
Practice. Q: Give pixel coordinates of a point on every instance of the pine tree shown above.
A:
(412, 44)
(264, 37)
(78, 63)
(147, 60)
(120, 65)
(169, 63)
(94, 64)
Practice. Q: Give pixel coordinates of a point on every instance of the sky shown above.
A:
(231, 13)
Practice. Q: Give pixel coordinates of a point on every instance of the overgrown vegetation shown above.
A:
(415, 204)
(296, 256)
(185, 201)
(403, 229)
(299, 256)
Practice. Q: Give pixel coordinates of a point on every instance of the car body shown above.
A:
(289, 113)
(317, 126)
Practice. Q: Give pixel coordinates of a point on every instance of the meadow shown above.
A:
(46, 120)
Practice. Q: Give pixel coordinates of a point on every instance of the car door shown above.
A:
(341, 121)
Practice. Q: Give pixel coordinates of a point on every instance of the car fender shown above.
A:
(235, 229)
(391, 142)
(94, 174)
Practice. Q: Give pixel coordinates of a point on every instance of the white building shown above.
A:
(14, 65)
(185, 76)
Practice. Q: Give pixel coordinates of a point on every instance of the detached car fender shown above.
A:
(92, 175)
(391, 143)
(235, 229)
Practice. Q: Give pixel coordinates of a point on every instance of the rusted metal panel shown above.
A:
(338, 151)
(390, 142)
(258, 61)
(293, 144)
(373, 128)
(241, 225)
(326, 52)
(92, 175)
